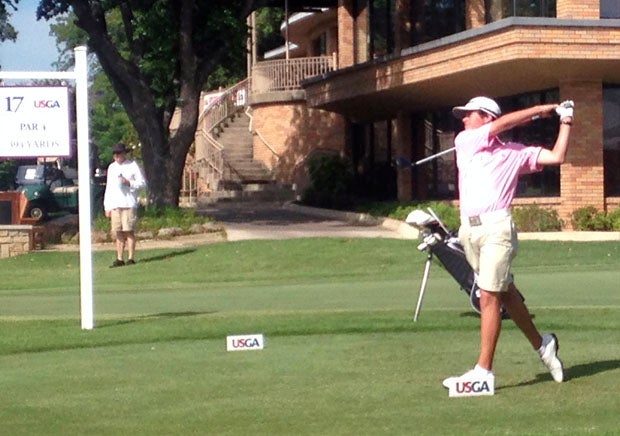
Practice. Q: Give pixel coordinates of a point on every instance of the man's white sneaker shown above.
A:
(472, 373)
(549, 357)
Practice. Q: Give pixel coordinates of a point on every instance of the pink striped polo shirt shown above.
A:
(489, 170)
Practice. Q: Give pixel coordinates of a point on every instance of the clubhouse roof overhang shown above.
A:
(510, 56)
(300, 5)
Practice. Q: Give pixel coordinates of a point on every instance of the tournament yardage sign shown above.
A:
(34, 121)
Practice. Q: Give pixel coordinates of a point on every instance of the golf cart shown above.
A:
(49, 190)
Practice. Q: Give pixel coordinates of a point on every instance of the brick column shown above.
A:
(418, 145)
(578, 9)
(474, 14)
(361, 35)
(582, 178)
(402, 148)
(346, 34)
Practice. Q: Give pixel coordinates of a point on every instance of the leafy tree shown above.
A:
(8, 169)
(158, 59)
(268, 21)
(109, 123)
(7, 31)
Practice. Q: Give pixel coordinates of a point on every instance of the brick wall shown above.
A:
(294, 131)
(582, 174)
(583, 9)
(15, 240)
(474, 14)
(352, 31)
(361, 32)
(451, 70)
(346, 35)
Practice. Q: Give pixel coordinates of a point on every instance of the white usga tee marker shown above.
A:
(473, 387)
(245, 342)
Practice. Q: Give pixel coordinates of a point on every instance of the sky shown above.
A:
(34, 49)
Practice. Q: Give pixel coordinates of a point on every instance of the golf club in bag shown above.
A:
(439, 242)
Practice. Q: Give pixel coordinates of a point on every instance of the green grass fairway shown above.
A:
(342, 356)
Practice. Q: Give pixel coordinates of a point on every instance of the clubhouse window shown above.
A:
(543, 131)
(610, 9)
(498, 9)
(611, 139)
(440, 127)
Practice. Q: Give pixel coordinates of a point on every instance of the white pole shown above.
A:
(84, 181)
(286, 30)
(80, 75)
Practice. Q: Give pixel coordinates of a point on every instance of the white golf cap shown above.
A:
(484, 104)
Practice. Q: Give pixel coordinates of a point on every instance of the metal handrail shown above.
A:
(211, 165)
(287, 74)
(261, 137)
(226, 105)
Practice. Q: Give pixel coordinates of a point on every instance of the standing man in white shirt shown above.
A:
(120, 202)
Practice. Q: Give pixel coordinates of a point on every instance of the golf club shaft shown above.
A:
(434, 156)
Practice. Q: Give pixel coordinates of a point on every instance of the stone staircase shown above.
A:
(236, 139)
(249, 179)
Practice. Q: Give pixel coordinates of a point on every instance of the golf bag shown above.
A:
(439, 242)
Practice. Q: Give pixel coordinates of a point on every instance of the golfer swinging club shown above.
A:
(488, 173)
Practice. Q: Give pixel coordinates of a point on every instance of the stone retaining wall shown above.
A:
(15, 240)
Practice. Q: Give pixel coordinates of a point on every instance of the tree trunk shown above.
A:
(163, 155)
(163, 152)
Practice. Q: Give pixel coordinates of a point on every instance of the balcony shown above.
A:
(281, 79)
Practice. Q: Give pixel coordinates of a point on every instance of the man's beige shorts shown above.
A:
(490, 249)
(123, 220)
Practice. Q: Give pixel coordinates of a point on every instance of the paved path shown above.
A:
(285, 221)
(282, 221)
(243, 221)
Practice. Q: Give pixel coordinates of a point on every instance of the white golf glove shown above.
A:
(565, 109)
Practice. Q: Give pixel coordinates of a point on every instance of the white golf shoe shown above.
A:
(469, 375)
(549, 357)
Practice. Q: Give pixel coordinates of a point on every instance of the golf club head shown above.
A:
(402, 162)
(419, 219)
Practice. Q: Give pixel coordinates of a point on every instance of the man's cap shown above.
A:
(484, 104)
(119, 148)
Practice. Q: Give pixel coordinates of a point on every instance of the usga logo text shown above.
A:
(245, 342)
(46, 104)
(473, 387)
(476, 386)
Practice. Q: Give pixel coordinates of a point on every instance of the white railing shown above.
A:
(226, 105)
(287, 74)
(209, 167)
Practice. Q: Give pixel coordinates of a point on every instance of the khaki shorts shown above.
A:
(123, 220)
(490, 249)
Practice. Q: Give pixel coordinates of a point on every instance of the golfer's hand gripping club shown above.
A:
(565, 109)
